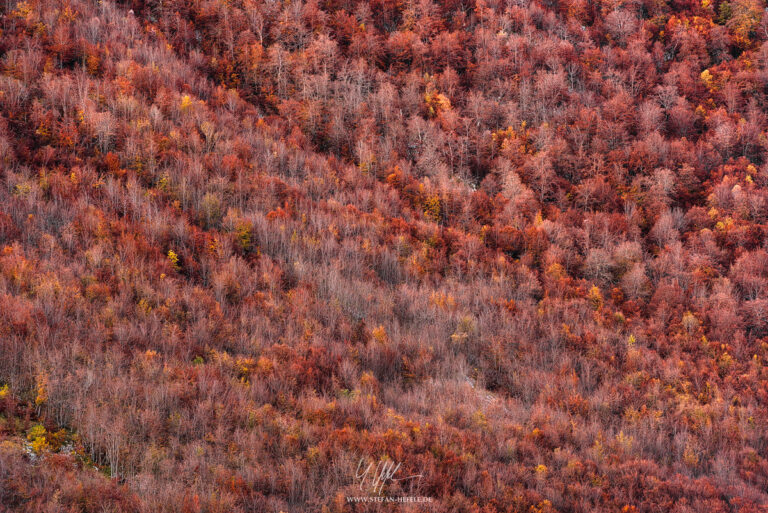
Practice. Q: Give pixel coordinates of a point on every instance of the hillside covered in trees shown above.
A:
(517, 247)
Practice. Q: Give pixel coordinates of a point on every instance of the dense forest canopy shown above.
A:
(518, 247)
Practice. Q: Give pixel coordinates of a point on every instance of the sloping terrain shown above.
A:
(518, 248)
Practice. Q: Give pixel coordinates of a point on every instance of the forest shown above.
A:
(518, 248)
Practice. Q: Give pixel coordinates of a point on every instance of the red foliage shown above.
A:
(517, 248)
